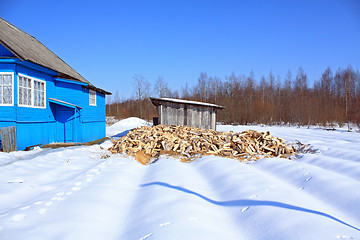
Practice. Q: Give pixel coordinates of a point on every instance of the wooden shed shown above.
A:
(173, 111)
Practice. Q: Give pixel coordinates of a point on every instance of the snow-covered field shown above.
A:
(81, 193)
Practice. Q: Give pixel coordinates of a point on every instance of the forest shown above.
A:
(333, 99)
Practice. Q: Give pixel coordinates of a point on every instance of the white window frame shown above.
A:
(39, 90)
(26, 89)
(92, 93)
(32, 105)
(12, 82)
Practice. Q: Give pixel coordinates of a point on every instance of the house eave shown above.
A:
(97, 89)
(158, 101)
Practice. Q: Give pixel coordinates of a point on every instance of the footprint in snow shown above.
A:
(308, 179)
(78, 184)
(57, 198)
(18, 217)
(245, 209)
(68, 193)
(39, 202)
(301, 188)
(146, 236)
(49, 203)
(24, 208)
(344, 237)
(164, 224)
(253, 196)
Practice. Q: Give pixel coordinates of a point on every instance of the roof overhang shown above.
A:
(97, 89)
(63, 103)
(158, 101)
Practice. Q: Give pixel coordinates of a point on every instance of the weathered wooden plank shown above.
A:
(8, 138)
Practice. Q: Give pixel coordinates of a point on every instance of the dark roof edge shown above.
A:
(156, 101)
(92, 87)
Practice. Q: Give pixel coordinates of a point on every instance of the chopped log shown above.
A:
(142, 157)
(148, 142)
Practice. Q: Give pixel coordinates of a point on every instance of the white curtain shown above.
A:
(6, 92)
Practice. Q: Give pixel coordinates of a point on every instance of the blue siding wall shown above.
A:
(35, 125)
(29, 134)
(55, 122)
(4, 52)
(94, 118)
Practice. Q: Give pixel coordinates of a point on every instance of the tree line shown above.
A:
(332, 99)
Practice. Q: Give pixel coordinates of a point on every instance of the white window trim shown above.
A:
(32, 92)
(12, 99)
(90, 104)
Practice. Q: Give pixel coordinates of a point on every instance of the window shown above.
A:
(6, 89)
(24, 91)
(39, 94)
(32, 92)
(92, 98)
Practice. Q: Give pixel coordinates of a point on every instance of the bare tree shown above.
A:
(300, 90)
(108, 105)
(116, 103)
(141, 93)
(326, 85)
(185, 92)
(161, 88)
(141, 87)
(202, 86)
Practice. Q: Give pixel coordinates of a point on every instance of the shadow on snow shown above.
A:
(245, 202)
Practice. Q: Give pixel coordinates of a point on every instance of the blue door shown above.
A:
(65, 124)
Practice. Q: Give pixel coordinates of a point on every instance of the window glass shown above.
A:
(24, 91)
(92, 97)
(6, 89)
(39, 94)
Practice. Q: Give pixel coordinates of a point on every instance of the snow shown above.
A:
(122, 127)
(81, 193)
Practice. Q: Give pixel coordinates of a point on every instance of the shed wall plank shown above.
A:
(187, 115)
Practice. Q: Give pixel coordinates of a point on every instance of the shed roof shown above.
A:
(28, 48)
(157, 102)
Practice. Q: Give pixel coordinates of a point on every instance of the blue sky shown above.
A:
(108, 42)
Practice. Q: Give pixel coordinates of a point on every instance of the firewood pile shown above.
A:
(148, 143)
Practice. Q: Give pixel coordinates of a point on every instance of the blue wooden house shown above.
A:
(44, 98)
